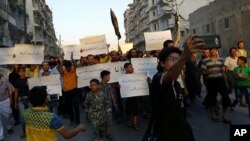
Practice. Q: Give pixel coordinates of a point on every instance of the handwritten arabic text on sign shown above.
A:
(85, 74)
(28, 54)
(155, 40)
(93, 45)
(147, 65)
(52, 82)
(133, 85)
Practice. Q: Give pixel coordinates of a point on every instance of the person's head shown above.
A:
(32, 67)
(128, 68)
(213, 52)
(38, 96)
(90, 59)
(114, 56)
(97, 59)
(105, 75)
(21, 71)
(205, 53)
(168, 58)
(68, 65)
(15, 68)
(232, 51)
(119, 53)
(45, 66)
(240, 44)
(168, 44)
(241, 61)
(94, 83)
(82, 60)
(133, 53)
(140, 54)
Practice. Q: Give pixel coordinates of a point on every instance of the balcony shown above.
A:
(167, 9)
(144, 28)
(152, 7)
(160, 2)
(154, 18)
(144, 16)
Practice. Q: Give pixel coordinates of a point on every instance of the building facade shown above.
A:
(12, 22)
(40, 26)
(228, 18)
(27, 21)
(149, 16)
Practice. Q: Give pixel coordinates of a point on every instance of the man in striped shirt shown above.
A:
(213, 68)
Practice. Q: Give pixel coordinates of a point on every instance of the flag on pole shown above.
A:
(176, 31)
(115, 24)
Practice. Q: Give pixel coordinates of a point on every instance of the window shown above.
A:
(212, 28)
(182, 33)
(153, 13)
(155, 27)
(226, 23)
(208, 28)
(194, 31)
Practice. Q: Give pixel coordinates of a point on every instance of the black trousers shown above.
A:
(72, 102)
(215, 86)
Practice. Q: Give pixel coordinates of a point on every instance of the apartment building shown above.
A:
(40, 25)
(27, 21)
(228, 18)
(12, 22)
(149, 16)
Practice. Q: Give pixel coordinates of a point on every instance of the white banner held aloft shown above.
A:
(155, 40)
(7, 56)
(147, 65)
(68, 49)
(133, 85)
(85, 74)
(28, 54)
(52, 82)
(126, 47)
(93, 45)
(5, 72)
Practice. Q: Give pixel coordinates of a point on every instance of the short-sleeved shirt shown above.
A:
(41, 124)
(107, 89)
(69, 79)
(231, 63)
(22, 86)
(245, 73)
(208, 64)
(32, 74)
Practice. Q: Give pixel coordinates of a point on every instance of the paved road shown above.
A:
(204, 129)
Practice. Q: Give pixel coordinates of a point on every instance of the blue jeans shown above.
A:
(239, 91)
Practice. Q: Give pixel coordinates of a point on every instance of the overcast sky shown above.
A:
(75, 19)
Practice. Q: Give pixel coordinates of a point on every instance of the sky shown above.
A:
(75, 19)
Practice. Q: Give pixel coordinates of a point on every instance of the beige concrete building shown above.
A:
(40, 25)
(228, 18)
(149, 16)
(12, 22)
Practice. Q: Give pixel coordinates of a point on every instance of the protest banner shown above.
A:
(68, 49)
(133, 85)
(126, 47)
(93, 45)
(155, 40)
(7, 56)
(52, 82)
(28, 54)
(147, 65)
(85, 74)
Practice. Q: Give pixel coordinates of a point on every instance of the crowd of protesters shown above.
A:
(175, 86)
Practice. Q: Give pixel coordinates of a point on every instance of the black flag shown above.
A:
(115, 24)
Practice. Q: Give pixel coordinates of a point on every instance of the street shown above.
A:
(203, 128)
